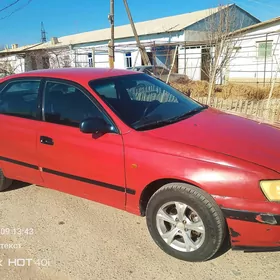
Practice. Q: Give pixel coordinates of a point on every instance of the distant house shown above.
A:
(15, 59)
(257, 59)
(159, 36)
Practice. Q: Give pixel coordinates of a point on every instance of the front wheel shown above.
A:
(185, 222)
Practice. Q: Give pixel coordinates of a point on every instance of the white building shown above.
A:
(14, 60)
(160, 37)
(257, 59)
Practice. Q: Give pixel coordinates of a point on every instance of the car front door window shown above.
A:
(66, 104)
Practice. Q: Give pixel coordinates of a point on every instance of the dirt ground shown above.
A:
(73, 238)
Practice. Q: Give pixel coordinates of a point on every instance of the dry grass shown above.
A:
(233, 91)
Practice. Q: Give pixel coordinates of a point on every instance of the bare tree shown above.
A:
(274, 79)
(46, 58)
(5, 68)
(9, 66)
(223, 42)
(59, 57)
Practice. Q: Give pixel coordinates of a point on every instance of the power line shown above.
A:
(9, 6)
(16, 10)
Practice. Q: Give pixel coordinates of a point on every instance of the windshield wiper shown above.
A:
(159, 123)
(152, 124)
(189, 113)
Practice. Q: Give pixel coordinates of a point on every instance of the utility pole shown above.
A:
(144, 55)
(112, 42)
(43, 33)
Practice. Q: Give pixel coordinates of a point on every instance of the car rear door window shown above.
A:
(20, 98)
(66, 104)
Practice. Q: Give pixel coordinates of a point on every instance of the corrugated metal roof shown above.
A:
(161, 25)
(19, 49)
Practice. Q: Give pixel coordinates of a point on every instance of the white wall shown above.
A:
(193, 62)
(80, 58)
(246, 65)
(101, 57)
(136, 58)
(121, 47)
(12, 63)
(120, 60)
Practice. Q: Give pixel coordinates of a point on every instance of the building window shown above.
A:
(264, 49)
(128, 60)
(90, 64)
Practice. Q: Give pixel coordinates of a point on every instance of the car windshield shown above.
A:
(144, 102)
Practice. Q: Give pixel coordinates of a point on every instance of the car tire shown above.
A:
(196, 232)
(4, 182)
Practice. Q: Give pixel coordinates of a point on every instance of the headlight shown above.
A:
(271, 189)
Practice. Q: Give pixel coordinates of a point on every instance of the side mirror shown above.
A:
(95, 126)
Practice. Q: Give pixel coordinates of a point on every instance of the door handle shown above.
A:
(46, 140)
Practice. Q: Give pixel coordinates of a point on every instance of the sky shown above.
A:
(21, 23)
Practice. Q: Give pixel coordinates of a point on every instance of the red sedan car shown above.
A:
(130, 141)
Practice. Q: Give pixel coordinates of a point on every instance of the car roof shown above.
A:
(75, 74)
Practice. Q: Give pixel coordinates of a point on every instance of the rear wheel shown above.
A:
(185, 222)
(4, 182)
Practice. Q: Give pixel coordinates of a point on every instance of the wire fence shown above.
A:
(267, 111)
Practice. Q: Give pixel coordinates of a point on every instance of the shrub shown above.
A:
(231, 90)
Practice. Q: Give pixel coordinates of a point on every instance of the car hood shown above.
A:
(227, 134)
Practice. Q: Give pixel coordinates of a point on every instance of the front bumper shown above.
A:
(253, 231)
(254, 217)
(256, 229)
